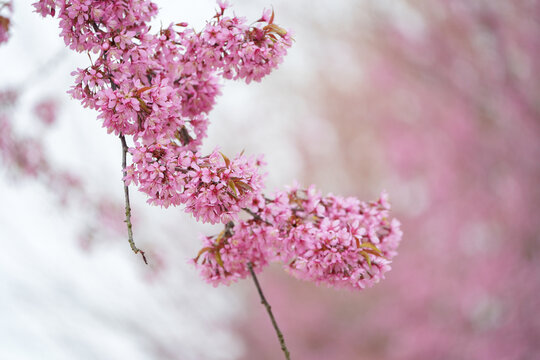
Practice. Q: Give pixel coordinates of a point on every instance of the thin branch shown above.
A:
(269, 310)
(257, 216)
(135, 249)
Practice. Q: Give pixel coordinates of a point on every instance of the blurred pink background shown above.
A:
(439, 103)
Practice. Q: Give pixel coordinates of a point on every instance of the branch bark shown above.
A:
(135, 249)
(269, 311)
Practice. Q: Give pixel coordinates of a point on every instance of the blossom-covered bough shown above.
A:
(156, 90)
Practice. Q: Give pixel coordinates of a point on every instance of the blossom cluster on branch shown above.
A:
(333, 240)
(158, 87)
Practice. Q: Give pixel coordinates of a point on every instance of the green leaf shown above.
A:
(227, 161)
(366, 256)
(202, 251)
(373, 248)
(232, 186)
(218, 258)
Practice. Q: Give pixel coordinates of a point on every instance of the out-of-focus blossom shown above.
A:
(46, 111)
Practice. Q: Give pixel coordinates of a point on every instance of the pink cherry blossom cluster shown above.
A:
(89, 25)
(5, 7)
(159, 87)
(240, 51)
(213, 187)
(224, 258)
(333, 240)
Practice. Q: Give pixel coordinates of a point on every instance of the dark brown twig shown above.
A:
(135, 249)
(257, 216)
(269, 311)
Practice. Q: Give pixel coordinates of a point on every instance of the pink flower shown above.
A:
(158, 89)
(330, 240)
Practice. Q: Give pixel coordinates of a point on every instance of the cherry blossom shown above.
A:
(157, 88)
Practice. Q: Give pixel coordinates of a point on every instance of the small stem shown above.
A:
(269, 310)
(135, 249)
(257, 216)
